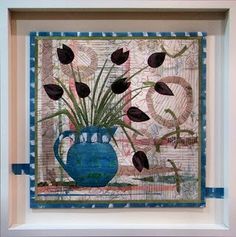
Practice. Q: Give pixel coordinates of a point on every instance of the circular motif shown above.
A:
(85, 60)
(183, 102)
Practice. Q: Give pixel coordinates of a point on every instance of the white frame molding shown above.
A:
(228, 228)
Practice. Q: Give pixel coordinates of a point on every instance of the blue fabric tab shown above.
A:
(19, 169)
(214, 192)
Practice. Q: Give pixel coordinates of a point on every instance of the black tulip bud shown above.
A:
(137, 115)
(140, 161)
(65, 55)
(119, 57)
(53, 91)
(82, 89)
(119, 86)
(156, 59)
(163, 89)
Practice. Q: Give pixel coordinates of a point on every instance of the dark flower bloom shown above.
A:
(53, 91)
(65, 55)
(119, 57)
(119, 86)
(82, 89)
(162, 88)
(137, 115)
(156, 59)
(140, 161)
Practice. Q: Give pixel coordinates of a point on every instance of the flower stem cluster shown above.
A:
(102, 110)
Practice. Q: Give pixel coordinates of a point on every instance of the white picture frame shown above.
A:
(215, 17)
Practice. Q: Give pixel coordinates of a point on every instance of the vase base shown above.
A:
(95, 185)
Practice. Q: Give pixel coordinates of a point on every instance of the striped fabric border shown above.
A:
(33, 35)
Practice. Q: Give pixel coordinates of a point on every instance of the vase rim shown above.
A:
(96, 129)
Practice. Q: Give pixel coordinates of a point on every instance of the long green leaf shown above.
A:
(149, 83)
(107, 97)
(128, 137)
(123, 124)
(111, 134)
(107, 100)
(108, 94)
(116, 110)
(72, 110)
(114, 140)
(52, 115)
(61, 112)
(79, 112)
(136, 73)
(103, 85)
(95, 88)
(170, 134)
(85, 110)
(127, 94)
(82, 100)
(175, 55)
(177, 177)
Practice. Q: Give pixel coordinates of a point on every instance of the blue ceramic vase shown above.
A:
(91, 160)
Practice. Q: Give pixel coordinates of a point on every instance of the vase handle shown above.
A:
(57, 144)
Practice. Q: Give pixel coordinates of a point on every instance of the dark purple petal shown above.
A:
(119, 57)
(119, 86)
(140, 161)
(82, 89)
(53, 91)
(137, 115)
(156, 59)
(163, 89)
(65, 55)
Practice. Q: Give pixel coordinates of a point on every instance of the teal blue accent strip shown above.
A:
(203, 111)
(96, 34)
(44, 34)
(84, 34)
(70, 34)
(215, 193)
(19, 169)
(56, 33)
(121, 34)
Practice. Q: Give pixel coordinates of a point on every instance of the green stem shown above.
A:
(170, 134)
(177, 177)
(176, 126)
(128, 79)
(82, 102)
(105, 109)
(73, 72)
(85, 109)
(177, 54)
(113, 118)
(114, 109)
(92, 109)
(121, 123)
(72, 110)
(128, 137)
(73, 100)
(111, 134)
(80, 79)
(171, 113)
(65, 112)
(101, 90)
(95, 89)
(108, 94)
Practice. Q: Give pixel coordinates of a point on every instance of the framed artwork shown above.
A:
(117, 119)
